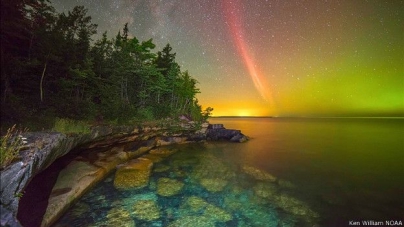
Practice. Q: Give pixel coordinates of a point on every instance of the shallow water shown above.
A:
(293, 172)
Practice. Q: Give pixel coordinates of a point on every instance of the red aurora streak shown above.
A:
(234, 21)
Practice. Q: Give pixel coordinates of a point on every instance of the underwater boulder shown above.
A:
(168, 187)
(134, 174)
(258, 174)
(211, 167)
(146, 210)
(118, 217)
(295, 207)
(161, 168)
(194, 221)
(213, 184)
(197, 206)
(265, 190)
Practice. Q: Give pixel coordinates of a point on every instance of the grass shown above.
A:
(69, 126)
(11, 143)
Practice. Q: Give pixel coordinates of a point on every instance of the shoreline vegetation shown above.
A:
(280, 117)
(56, 77)
(52, 68)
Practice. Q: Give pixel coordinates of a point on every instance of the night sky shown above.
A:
(278, 58)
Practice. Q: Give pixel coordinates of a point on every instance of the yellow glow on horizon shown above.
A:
(244, 113)
(217, 112)
(241, 107)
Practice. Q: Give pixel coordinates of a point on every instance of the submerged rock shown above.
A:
(161, 168)
(146, 210)
(194, 221)
(134, 174)
(295, 206)
(168, 187)
(153, 157)
(258, 174)
(213, 184)
(118, 217)
(250, 208)
(130, 142)
(265, 190)
(197, 206)
(211, 167)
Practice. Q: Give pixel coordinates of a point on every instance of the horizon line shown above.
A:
(230, 116)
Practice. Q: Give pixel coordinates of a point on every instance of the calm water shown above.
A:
(293, 172)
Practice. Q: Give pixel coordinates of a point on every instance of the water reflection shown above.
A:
(293, 172)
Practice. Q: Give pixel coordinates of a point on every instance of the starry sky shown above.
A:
(313, 58)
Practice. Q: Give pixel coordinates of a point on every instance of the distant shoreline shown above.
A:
(396, 117)
(240, 117)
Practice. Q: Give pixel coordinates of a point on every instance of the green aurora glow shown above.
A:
(319, 58)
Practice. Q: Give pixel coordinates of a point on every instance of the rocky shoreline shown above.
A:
(117, 146)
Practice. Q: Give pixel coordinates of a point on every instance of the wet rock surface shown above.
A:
(168, 187)
(238, 198)
(107, 148)
(219, 132)
(134, 174)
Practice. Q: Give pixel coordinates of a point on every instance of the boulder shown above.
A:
(194, 221)
(168, 187)
(218, 132)
(210, 167)
(161, 168)
(197, 206)
(146, 210)
(213, 184)
(134, 174)
(239, 138)
(118, 217)
(265, 189)
(258, 174)
(216, 126)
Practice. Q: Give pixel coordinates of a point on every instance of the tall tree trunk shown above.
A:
(42, 78)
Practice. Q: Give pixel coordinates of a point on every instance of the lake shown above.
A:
(292, 172)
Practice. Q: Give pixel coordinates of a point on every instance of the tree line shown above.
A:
(50, 66)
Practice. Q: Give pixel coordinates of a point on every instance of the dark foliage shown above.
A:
(50, 67)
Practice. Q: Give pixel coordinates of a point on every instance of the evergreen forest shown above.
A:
(52, 68)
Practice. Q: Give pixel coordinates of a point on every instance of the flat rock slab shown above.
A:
(72, 182)
(133, 174)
